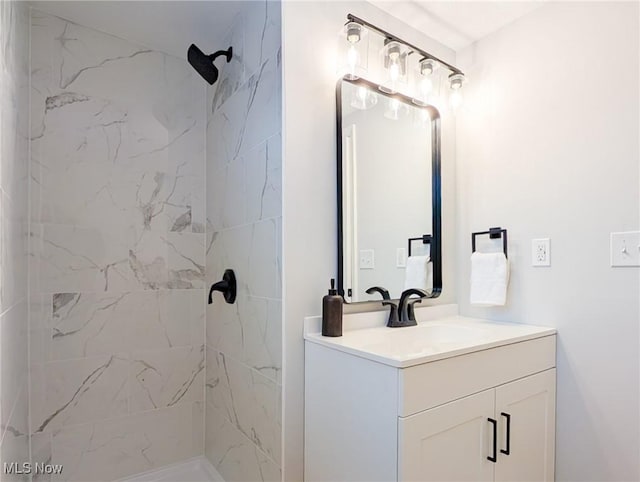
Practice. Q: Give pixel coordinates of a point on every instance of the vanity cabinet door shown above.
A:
(448, 443)
(525, 410)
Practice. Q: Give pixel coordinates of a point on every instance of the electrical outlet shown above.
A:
(541, 252)
(367, 260)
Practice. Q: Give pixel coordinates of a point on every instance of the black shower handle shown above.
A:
(227, 286)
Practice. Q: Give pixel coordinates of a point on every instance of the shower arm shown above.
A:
(227, 53)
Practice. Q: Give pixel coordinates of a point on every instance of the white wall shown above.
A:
(309, 191)
(547, 146)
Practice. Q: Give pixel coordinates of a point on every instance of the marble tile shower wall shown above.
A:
(14, 161)
(244, 211)
(117, 253)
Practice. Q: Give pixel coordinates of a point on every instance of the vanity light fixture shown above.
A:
(395, 61)
(356, 54)
(396, 56)
(425, 78)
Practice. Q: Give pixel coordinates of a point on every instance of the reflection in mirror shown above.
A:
(388, 207)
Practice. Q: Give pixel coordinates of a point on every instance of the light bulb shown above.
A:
(353, 51)
(455, 99)
(352, 60)
(426, 86)
(394, 72)
(425, 79)
(456, 81)
(395, 62)
(394, 51)
(428, 66)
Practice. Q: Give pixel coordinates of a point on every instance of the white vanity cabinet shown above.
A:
(454, 441)
(372, 417)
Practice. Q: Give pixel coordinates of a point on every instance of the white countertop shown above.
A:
(443, 337)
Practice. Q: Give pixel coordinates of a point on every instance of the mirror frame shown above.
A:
(436, 185)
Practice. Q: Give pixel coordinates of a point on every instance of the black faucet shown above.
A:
(407, 313)
(401, 313)
(393, 321)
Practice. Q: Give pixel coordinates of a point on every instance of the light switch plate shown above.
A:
(625, 249)
(367, 260)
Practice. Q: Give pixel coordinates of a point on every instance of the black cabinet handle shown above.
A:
(507, 450)
(494, 458)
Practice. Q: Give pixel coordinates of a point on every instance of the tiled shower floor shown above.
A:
(194, 470)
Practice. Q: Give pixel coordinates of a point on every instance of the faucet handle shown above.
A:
(406, 310)
(414, 291)
(394, 318)
(411, 315)
(394, 311)
(377, 289)
(406, 294)
(227, 286)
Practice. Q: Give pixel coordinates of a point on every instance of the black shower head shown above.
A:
(204, 63)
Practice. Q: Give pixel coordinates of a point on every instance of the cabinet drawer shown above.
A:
(432, 384)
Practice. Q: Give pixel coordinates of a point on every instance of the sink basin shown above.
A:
(422, 339)
(428, 341)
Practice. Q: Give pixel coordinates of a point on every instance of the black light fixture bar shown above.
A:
(426, 55)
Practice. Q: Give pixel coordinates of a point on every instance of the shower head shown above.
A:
(203, 63)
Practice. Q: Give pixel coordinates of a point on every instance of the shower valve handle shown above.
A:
(227, 286)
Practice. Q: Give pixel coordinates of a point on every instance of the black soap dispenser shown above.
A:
(332, 312)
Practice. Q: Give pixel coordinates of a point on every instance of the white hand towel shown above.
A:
(489, 279)
(418, 274)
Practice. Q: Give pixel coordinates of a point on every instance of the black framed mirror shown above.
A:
(389, 192)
